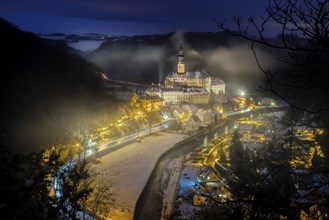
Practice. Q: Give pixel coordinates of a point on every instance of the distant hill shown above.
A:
(44, 90)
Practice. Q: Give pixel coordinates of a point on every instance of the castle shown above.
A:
(188, 86)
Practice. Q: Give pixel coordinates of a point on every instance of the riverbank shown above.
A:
(128, 169)
(169, 185)
(152, 202)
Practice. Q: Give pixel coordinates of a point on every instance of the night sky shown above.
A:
(125, 17)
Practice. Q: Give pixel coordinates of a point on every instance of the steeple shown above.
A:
(181, 63)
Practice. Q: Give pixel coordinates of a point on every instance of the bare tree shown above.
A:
(303, 44)
(302, 81)
(46, 185)
(149, 107)
(101, 200)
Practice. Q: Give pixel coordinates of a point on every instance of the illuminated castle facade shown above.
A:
(181, 62)
(188, 86)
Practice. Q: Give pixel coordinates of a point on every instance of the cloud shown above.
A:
(237, 59)
(149, 54)
(151, 16)
(141, 55)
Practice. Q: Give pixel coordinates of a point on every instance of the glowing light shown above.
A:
(103, 76)
(320, 131)
(165, 117)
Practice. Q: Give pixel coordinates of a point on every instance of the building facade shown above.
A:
(199, 79)
(177, 95)
(188, 86)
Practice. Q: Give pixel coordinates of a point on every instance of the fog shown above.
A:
(149, 62)
(85, 45)
(235, 64)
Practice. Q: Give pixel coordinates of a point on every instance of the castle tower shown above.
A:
(181, 63)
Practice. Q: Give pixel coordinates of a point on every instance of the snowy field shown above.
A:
(128, 169)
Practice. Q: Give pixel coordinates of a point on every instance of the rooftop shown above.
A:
(201, 74)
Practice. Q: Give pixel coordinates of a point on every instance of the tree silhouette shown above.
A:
(236, 151)
(27, 186)
(303, 45)
(302, 81)
(222, 156)
(146, 107)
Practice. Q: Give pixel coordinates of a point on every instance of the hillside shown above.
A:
(148, 59)
(45, 92)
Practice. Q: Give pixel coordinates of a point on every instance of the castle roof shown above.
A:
(202, 74)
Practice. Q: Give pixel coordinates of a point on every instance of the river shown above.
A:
(149, 204)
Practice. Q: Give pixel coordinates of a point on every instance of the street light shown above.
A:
(242, 93)
(165, 116)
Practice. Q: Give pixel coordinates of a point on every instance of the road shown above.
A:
(120, 141)
(261, 110)
(113, 144)
(224, 142)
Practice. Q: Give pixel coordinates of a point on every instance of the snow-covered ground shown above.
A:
(128, 169)
(188, 187)
(169, 184)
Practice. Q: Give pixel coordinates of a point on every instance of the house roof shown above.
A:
(201, 74)
(179, 110)
(191, 108)
(195, 118)
(247, 127)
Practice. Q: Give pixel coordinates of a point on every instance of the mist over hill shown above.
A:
(46, 92)
(149, 58)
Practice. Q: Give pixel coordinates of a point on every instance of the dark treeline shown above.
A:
(44, 91)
